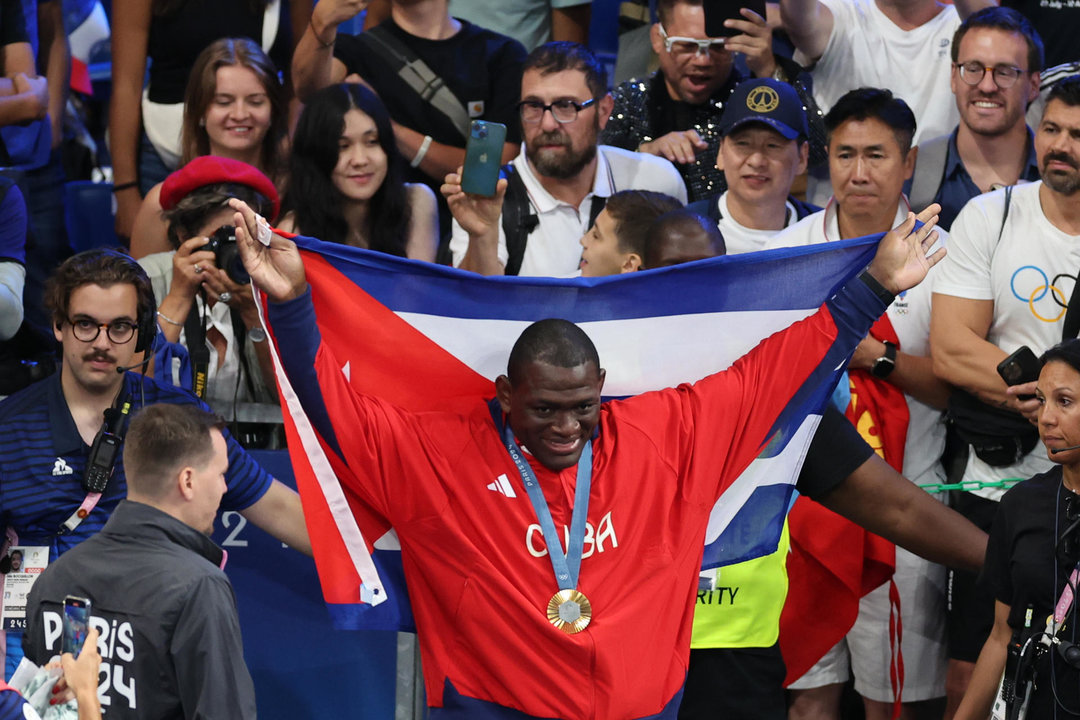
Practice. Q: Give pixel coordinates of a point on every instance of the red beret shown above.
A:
(212, 170)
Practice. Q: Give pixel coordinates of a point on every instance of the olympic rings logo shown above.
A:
(1039, 291)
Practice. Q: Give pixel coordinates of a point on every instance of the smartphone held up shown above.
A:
(76, 623)
(483, 158)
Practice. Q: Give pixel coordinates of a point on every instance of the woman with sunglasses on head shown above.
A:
(1033, 565)
(346, 179)
(235, 107)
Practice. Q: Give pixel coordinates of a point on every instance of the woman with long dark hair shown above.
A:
(346, 178)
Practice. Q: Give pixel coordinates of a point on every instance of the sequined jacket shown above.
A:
(642, 109)
(640, 115)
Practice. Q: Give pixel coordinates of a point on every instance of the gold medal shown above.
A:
(570, 611)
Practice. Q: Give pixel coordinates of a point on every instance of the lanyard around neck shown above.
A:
(566, 565)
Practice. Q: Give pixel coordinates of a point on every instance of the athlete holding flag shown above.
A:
(509, 633)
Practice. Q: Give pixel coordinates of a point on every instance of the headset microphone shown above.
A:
(124, 368)
(1055, 451)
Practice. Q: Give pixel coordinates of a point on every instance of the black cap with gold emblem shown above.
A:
(771, 102)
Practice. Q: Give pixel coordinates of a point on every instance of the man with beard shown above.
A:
(557, 187)
(997, 56)
(1013, 258)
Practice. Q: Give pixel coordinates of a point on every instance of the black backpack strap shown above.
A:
(418, 76)
(1071, 327)
(518, 218)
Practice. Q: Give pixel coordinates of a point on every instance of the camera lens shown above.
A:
(228, 258)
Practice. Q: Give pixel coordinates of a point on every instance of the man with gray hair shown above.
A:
(169, 632)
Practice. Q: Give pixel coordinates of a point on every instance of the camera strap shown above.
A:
(195, 334)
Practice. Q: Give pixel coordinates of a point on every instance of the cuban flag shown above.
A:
(427, 337)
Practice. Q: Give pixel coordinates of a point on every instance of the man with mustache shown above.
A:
(557, 187)
(997, 57)
(103, 314)
(1014, 255)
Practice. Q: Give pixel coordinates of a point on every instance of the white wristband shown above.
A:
(421, 152)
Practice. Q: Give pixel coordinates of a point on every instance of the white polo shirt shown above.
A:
(554, 247)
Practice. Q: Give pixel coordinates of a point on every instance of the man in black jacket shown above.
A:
(166, 613)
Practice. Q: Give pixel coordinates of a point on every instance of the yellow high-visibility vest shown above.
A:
(744, 608)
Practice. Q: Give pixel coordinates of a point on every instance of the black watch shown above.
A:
(886, 363)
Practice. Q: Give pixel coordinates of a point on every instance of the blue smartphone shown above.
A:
(76, 623)
(483, 157)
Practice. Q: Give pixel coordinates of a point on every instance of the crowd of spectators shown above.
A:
(804, 122)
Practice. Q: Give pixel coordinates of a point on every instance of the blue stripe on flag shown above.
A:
(744, 538)
(811, 273)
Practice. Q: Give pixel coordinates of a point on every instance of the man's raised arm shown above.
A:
(809, 24)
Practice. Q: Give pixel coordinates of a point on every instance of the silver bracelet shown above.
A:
(170, 320)
(421, 152)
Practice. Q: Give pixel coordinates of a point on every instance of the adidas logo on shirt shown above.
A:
(502, 486)
(60, 467)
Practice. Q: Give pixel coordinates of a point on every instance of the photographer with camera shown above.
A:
(1032, 568)
(216, 345)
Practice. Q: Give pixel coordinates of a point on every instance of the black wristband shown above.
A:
(879, 289)
(125, 186)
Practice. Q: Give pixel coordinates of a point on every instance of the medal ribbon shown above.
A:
(566, 565)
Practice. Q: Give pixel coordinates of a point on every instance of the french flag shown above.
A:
(427, 337)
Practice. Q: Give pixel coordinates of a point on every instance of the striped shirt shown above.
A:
(42, 459)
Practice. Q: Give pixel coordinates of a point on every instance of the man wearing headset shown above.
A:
(54, 444)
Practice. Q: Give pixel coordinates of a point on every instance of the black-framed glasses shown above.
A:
(87, 330)
(564, 111)
(973, 71)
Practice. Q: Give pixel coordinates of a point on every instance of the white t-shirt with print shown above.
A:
(1029, 275)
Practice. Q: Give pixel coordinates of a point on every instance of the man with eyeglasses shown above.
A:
(997, 56)
(556, 188)
(102, 306)
(675, 112)
(1014, 255)
(902, 45)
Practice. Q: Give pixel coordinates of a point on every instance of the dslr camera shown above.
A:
(227, 255)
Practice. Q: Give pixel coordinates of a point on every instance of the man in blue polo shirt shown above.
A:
(102, 306)
(997, 56)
